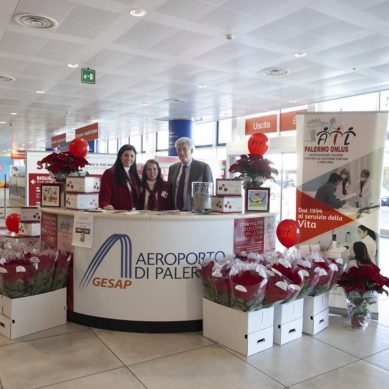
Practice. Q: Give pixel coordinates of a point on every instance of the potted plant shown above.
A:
(362, 285)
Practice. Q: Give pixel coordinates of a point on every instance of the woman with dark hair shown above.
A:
(120, 184)
(156, 195)
(368, 237)
(327, 192)
(361, 255)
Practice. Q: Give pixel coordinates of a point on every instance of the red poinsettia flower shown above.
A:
(64, 162)
(279, 288)
(363, 278)
(252, 165)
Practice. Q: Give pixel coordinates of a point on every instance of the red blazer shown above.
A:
(164, 200)
(118, 196)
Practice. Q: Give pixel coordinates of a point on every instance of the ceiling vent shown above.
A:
(5, 78)
(35, 21)
(275, 71)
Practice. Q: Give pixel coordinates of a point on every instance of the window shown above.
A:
(224, 130)
(204, 134)
(162, 140)
(124, 140)
(102, 146)
(112, 146)
(136, 141)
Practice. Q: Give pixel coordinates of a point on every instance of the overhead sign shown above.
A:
(18, 154)
(262, 124)
(88, 76)
(57, 140)
(288, 120)
(90, 132)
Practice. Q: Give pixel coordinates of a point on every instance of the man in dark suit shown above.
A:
(183, 173)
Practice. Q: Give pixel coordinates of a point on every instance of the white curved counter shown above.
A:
(140, 272)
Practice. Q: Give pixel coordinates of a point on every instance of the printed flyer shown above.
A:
(340, 162)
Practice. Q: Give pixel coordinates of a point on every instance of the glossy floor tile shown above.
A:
(299, 360)
(359, 343)
(207, 368)
(358, 375)
(135, 347)
(120, 378)
(40, 362)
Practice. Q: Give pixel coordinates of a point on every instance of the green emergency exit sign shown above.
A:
(88, 76)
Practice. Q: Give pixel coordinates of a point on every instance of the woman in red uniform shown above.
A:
(156, 195)
(120, 184)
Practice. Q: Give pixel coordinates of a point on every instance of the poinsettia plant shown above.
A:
(253, 166)
(64, 162)
(364, 278)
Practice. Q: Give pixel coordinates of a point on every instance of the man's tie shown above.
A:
(180, 190)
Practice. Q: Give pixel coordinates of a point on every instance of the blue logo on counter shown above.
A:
(125, 255)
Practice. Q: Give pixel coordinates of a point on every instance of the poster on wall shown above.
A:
(340, 162)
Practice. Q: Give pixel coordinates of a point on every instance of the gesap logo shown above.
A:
(125, 264)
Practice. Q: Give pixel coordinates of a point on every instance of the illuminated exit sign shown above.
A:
(88, 76)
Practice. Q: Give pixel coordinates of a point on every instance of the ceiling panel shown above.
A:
(188, 9)
(177, 46)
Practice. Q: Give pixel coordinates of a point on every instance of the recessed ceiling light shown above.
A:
(138, 12)
(201, 86)
(40, 92)
(177, 100)
(299, 54)
(6, 78)
(145, 104)
(3, 122)
(292, 101)
(72, 65)
(35, 21)
(13, 113)
(275, 71)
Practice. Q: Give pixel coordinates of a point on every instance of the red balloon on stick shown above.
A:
(258, 144)
(288, 232)
(79, 147)
(12, 222)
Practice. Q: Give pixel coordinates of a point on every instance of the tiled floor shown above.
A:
(73, 356)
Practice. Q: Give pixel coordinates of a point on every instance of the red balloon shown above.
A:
(79, 147)
(258, 144)
(12, 222)
(288, 232)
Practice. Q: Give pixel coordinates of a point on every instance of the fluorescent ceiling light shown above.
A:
(71, 65)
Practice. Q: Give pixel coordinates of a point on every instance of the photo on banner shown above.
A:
(340, 160)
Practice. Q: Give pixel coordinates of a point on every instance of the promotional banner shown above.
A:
(340, 161)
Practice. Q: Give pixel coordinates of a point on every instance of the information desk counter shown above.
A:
(139, 271)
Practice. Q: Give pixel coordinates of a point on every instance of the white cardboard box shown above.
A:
(26, 315)
(30, 214)
(284, 313)
(228, 187)
(244, 332)
(30, 228)
(312, 324)
(81, 200)
(316, 304)
(287, 332)
(85, 184)
(227, 204)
